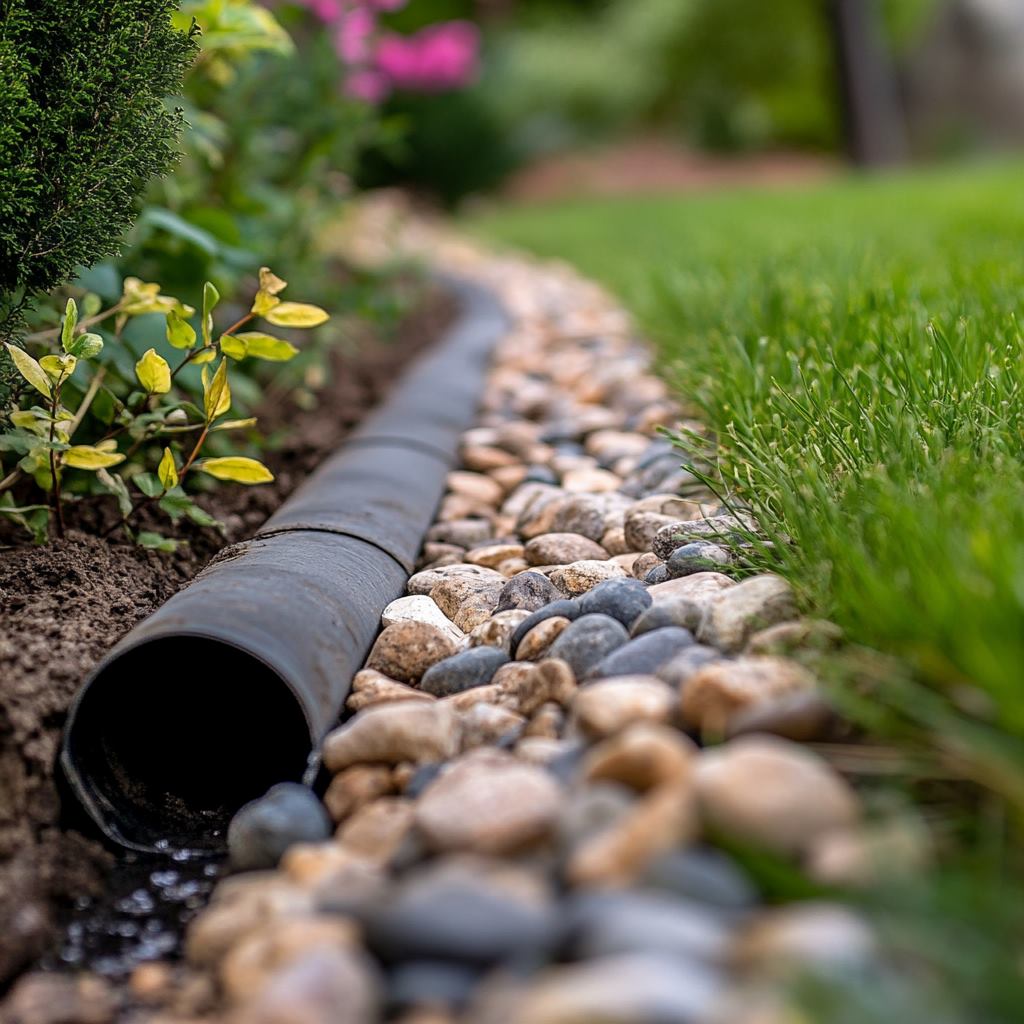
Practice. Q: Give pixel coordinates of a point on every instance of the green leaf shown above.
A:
(266, 346)
(233, 346)
(236, 468)
(67, 331)
(157, 542)
(200, 516)
(216, 393)
(153, 372)
(58, 368)
(29, 369)
(249, 421)
(87, 346)
(148, 484)
(167, 471)
(296, 314)
(85, 456)
(210, 299)
(115, 484)
(180, 333)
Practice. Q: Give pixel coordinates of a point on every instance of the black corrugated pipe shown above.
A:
(232, 684)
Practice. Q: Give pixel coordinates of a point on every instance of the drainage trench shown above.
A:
(232, 684)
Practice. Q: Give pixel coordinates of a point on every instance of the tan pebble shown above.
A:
(610, 443)
(700, 587)
(590, 481)
(579, 577)
(651, 503)
(664, 819)
(352, 788)
(425, 581)
(804, 716)
(45, 998)
(489, 805)
(498, 629)
(563, 548)
(802, 936)
(643, 564)
(547, 721)
(370, 687)
(614, 541)
(389, 733)
(407, 649)
(485, 724)
(716, 693)
(786, 637)
(640, 528)
(539, 517)
(773, 793)
(513, 567)
(538, 640)
(493, 555)
(643, 756)
(610, 705)
(541, 749)
(247, 966)
(536, 684)
(477, 487)
(740, 611)
(457, 509)
(468, 601)
(528, 494)
(481, 458)
(420, 608)
(626, 562)
(491, 693)
(438, 555)
(377, 829)
(309, 864)
(870, 854)
(151, 982)
(508, 478)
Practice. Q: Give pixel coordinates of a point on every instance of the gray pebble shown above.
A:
(540, 475)
(564, 608)
(262, 830)
(587, 641)
(679, 669)
(622, 599)
(680, 612)
(700, 556)
(659, 574)
(528, 590)
(705, 875)
(463, 671)
(645, 654)
(432, 983)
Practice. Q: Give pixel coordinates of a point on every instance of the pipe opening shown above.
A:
(175, 735)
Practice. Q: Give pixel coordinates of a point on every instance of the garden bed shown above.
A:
(64, 605)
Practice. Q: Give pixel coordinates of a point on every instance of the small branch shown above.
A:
(54, 471)
(93, 390)
(10, 480)
(54, 332)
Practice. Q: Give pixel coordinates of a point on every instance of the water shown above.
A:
(141, 915)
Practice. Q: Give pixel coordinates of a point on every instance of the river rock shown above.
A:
(528, 591)
(371, 687)
(701, 588)
(699, 556)
(377, 829)
(715, 694)
(493, 555)
(611, 705)
(432, 983)
(530, 686)
(642, 756)
(580, 515)
(46, 998)
(641, 525)
(579, 577)
(687, 663)
(263, 829)
(478, 487)
(473, 667)
(466, 533)
(468, 600)
(490, 803)
(644, 655)
(486, 724)
(721, 529)
(420, 608)
(389, 733)
(537, 643)
(622, 599)
(679, 611)
(405, 650)
(353, 787)
(773, 793)
(705, 875)
(423, 582)
(739, 612)
(563, 608)
(804, 716)
(563, 548)
(587, 641)
(643, 564)
(498, 629)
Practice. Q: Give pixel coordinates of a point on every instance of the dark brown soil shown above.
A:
(63, 606)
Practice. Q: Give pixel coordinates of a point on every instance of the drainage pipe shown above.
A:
(232, 684)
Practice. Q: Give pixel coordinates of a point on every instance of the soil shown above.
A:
(64, 605)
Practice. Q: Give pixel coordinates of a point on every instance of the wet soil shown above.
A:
(64, 605)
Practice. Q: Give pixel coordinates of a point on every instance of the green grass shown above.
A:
(857, 354)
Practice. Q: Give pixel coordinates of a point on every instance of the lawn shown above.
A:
(856, 352)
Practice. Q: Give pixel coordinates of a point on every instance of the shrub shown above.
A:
(83, 125)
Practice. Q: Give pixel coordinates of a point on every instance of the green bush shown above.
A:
(83, 125)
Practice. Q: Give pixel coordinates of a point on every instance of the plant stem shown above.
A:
(90, 394)
(10, 480)
(54, 471)
(89, 321)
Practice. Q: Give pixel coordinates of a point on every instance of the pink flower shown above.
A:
(443, 56)
(387, 5)
(353, 35)
(326, 10)
(367, 85)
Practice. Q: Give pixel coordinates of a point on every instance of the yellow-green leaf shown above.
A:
(264, 303)
(153, 372)
(216, 392)
(270, 282)
(87, 346)
(266, 346)
(238, 469)
(233, 346)
(85, 456)
(180, 333)
(236, 424)
(210, 299)
(296, 314)
(206, 355)
(58, 368)
(67, 330)
(167, 471)
(29, 369)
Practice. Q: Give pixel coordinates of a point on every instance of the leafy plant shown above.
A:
(133, 413)
(82, 124)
